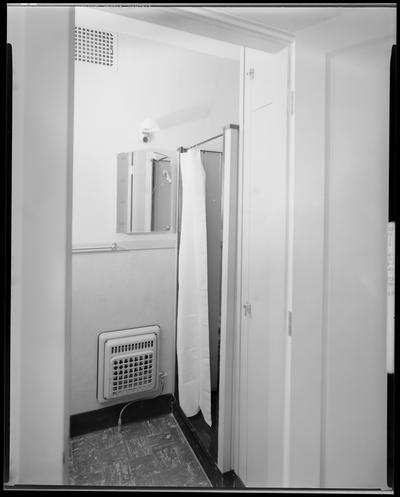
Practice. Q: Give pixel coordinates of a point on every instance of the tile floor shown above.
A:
(146, 453)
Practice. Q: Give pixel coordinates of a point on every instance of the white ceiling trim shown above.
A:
(235, 24)
(230, 19)
(204, 21)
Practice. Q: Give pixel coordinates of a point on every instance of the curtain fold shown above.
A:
(193, 351)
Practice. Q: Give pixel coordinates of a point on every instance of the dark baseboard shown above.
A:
(212, 471)
(231, 480)
(107, 417)
(218, 480)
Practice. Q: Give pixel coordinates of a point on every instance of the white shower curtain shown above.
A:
(192, 322)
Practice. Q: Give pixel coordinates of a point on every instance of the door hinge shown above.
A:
(247, 309)
(250, 73)
(290, 323)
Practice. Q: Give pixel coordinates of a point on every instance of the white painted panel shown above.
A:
(308, 237)
(356, 217)
(264, 269)
(41, 39)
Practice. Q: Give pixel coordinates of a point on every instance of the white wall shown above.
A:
(117, 291)
(338, 415)
(42, 168)
(356, 275)
(192, 95)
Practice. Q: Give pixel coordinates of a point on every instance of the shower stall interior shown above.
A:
(219, 157)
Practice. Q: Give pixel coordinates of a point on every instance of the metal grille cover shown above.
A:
(94, 46)
(130, 365)
(128, 362)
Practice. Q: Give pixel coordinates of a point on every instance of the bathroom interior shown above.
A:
(135, 229)
(215, 294)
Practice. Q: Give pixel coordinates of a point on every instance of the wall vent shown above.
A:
(128, 363)
(94, 46)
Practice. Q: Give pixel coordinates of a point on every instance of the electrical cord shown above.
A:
(162, 376)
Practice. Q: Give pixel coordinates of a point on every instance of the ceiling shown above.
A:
(290, 19)
(287, 19)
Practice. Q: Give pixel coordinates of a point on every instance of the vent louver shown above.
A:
(94, 46)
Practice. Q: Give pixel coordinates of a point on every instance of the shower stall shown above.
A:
(219, 160)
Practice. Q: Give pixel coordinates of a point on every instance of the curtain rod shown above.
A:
(183, 149)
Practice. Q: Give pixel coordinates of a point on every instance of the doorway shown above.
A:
(219, 157)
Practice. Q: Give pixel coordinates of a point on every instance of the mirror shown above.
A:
(146, 192)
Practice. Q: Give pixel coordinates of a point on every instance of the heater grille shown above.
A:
(94, 46)
(128, 362)
(132, 374)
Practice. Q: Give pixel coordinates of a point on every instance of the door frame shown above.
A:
(207, 23)
(227, 285)
(204, 22)
(46, 330)
(231, 369)
(239, 339)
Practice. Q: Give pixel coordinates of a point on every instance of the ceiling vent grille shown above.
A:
(94, 46)
(128, 363)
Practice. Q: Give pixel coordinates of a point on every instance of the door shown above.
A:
(264, 261)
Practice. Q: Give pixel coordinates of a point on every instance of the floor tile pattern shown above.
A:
(153, 453)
